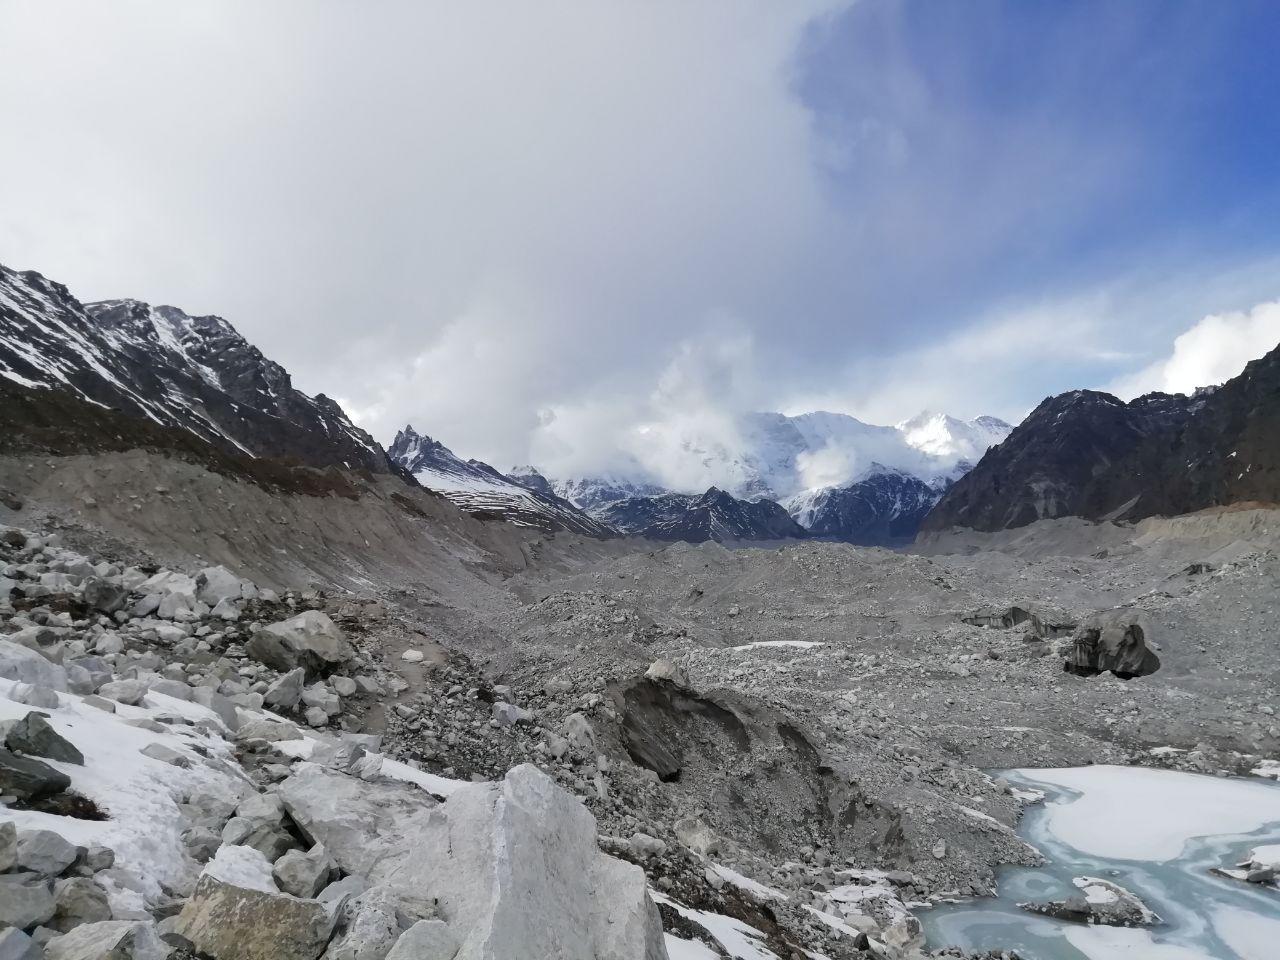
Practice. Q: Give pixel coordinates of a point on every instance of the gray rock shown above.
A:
(361, 825)
(310, 640)
(21, 663)
(226, 922)
(1113, 641)
(79, 900)
(104, 596)
(372, 926)
(165, 754)
(260, 728)
(97, 857)
(129, 692)
(16, 945)
(303, 874)
(285, 692)
(8, 845)
(508, 714)
(343, 686)
(224, 708)
(28, 778)
(696, 835)
(318, 695)
(108, 940)
(337, 894)
(26, 900)
(34, 696)
(216, 584)
(269, 839)
(1100, 902)
(93, 700)
(33, 736)
(45, 852)
(425, 940)
(171, 688)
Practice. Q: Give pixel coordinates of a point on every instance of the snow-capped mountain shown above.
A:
(714, 515)
(940, 435)
(883, 506)
(194, 373)
(480, 489)
(858, 481)
(595, 493)
(776, 456)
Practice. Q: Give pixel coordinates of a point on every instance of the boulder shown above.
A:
(34, 696)
(1099, 902)
(28, 778)
(696, 835)
(165, 754)
(26, 900)
(1113, 641)
(34, 736)
(310, 640)
(224, 708)
(260, 728)
(128, 692)
(513, 867)
(371, 925)
(79, 900)
(425, 940)
(215, 584)
(228, 922)
(177, 689)
(8, 845)
(361, 825)
(508, 714)
(25, 665)
(241, 867)
(104, 596)
(45, 852)
(16, 945)
(108, 940)
(303, 874)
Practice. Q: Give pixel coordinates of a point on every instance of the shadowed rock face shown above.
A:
(1091, 455)
(1116, 643)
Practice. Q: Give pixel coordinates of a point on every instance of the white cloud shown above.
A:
(1211, 352)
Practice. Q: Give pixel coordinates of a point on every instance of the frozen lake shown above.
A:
(1156, 833)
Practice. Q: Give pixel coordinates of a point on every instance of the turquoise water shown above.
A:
(1205, 917)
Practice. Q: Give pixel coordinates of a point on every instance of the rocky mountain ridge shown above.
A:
(714, 515)
(158, 363)
(482, 491)
(1090, 454)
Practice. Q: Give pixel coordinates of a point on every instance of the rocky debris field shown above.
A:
(724, 753)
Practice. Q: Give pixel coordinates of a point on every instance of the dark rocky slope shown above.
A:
(714, 515)
(159, 364)
(1091, 455)
(881, 509)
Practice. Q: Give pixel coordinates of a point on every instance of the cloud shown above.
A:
(1209, 353)
(581, 233)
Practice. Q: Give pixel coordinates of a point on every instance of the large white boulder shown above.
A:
(215, 584)
(28, 666)
(310, 640)
(512, 867)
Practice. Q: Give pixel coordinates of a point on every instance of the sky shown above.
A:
(534, 229)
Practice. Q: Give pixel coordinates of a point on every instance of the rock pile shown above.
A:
(269, 840)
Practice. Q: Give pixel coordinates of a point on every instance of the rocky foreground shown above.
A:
(685, 751)
(176, 777)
